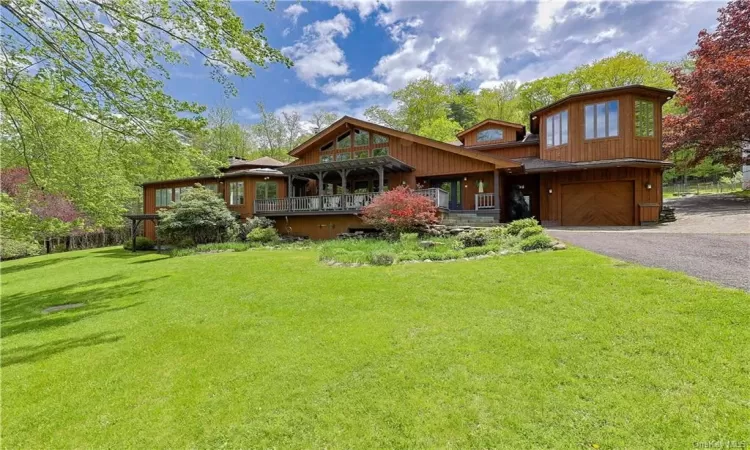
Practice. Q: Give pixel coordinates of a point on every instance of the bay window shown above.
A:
(644, 118)
(602, 119)
(557, 129)
(265, 190)
(237, 193)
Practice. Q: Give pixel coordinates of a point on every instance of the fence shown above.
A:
(93, 239)
(678, 189)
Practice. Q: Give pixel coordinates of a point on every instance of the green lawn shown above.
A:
(273, 349)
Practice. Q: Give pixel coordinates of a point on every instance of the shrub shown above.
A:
(253, 223)
(263, 235)
(536, 242)
(409, 238)
(382, 258)
(400, 210)
(13, 249)
(516, 226)
(186, 243)
(474, 238)
(530, 231)
(477, 251)
(442, 256)
(141, 243)
(199, 215)
(409, 256)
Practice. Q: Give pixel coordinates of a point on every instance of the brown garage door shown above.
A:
(605, 203)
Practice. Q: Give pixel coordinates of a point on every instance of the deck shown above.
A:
(337, 203)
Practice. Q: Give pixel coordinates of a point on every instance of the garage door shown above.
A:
(605, 203)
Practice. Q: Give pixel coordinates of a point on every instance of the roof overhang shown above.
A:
(536, 165)
(389, 163)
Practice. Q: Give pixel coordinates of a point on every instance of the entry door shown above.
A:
(520, 202)
(453, 188)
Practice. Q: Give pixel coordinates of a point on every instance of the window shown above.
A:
(491, 134)
(360, 154)
(602, 120)
(178, 193)
(361, 138)
(344, 141)
(380, 151)
(163, 197)
(343, 156)
(237, 193)
(265, 190)
(326, 147)
(557, 129)
(326, 158)
(644, 118)
(212, 187)
(378, 139)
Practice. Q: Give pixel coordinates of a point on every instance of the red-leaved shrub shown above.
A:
(400, 210)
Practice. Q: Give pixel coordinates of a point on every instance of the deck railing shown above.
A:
(484, 200)
(337, 202)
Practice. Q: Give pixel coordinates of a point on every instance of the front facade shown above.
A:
(589, 159)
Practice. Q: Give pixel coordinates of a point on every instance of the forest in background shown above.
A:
(85, 118)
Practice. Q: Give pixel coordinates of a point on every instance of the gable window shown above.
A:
(327, 147)
(163, 197)
(557, 129)
(602, 119)
(361, 138)
(491, 134)
(360, 154)
(378, 139)
(344, 141)
(343, 156)
(644, 118)
(237, 193)
(326, 158)
(265, 190)
(380, 151)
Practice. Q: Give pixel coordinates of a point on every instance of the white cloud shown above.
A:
(316, 54)
(354, 89)
(547, 13)
(248, 114)
(363, 7)
(294, 11)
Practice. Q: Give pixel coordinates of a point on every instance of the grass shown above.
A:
(270, 348)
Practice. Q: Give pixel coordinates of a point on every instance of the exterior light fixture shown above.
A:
(648, 185)
(465, 178)
(549, 191)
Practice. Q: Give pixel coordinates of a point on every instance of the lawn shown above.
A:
(274, 349)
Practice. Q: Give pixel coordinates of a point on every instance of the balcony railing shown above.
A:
(484, 200)
(337, 202)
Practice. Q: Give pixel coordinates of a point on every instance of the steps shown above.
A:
(470, 219)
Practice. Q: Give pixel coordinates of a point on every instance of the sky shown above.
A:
(351, 54)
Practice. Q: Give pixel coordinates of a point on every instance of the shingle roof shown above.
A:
(532, 164)
(262, 161)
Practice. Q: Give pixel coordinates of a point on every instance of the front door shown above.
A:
(453, 188)
(520, 202)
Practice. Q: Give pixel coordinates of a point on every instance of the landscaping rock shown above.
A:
(429, 244)
(559, 246)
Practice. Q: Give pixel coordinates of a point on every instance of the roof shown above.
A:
(631, 87)
(388, 162)
(499, 162)
(264, 161)
(491, 121)
(258, 172)
(529, 139)
(532, 165)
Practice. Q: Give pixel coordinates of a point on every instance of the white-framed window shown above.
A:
(237, 193)
(602, 119)
(490, 134)
(265, 190)
(163, 197)
(644, 118)
(557, 129)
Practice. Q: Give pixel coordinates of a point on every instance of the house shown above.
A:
(592, 158)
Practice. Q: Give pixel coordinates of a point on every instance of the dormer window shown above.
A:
(557, 129)
(327, 147)
(490, 134)
(644, 118)
(602, 120)
(361, 138)
(344, 141)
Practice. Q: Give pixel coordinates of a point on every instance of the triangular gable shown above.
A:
(490, 121)
(330, 132)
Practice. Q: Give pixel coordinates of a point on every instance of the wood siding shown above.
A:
(625, 145)
(646, 202)
(245, 210)
(318, 227)
(526, 151)
(509, 135)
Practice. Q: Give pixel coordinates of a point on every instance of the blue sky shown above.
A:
(350, 54)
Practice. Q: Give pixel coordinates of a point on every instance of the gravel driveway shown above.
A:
(710, 240)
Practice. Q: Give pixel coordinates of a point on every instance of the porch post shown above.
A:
(343, 173)
(320, 176)
(497, 188)
(133, 229)
(290, 185)
(381, 180)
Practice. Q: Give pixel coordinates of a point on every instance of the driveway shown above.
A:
(710, 240)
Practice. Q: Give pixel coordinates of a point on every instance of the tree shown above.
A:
(322, 119)
(501, 103)
(716, 93)
(400, 210)
(277, 134)
(463, 106)
(223, 137)
(104, 61)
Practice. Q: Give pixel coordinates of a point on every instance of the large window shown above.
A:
(266, 190)
(326, 147)
(491, 134)
(557, 129)
(361, 138)
(343, 156)
(212, 187)
(378, 139)
(237, 193)
(344, 141)
(178, 193)
(644, 118)
(602, 120)
(163, 197)
(380, 151)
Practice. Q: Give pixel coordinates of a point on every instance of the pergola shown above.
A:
(379, 164)
(136, 219)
